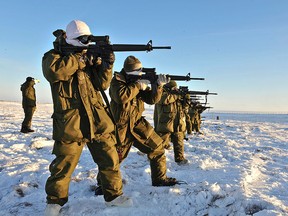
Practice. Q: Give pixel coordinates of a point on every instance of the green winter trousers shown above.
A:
(177, 138)
(67, 156)
(155, 154)
(188, 125)
(28, 111)
(196, 127)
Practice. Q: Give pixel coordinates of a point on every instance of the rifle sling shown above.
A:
(97, 84)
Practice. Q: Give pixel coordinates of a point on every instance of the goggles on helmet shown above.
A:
(84, 39)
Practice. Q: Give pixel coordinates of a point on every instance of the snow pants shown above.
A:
(28, 111)
(155, 154)
(177, 138)
(67, 156)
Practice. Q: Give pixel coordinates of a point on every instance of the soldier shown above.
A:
(200, 110)
(170, 121)
(127, 104)
(28, 103)
(186, 107)
(195, 116)
(80, 118)
(197, 120)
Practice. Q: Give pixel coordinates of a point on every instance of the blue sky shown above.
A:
(239, 47)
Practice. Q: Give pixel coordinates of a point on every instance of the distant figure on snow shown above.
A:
(28, 103)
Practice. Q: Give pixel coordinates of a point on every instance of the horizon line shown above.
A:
(209, 110)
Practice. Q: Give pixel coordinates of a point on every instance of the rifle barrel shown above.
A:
(200, 93)
(130, 47)
(197, 78)
(161, 47)
(183, 78)
(135, 47)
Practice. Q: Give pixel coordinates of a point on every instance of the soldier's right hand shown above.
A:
(162, 79)
(81, 60)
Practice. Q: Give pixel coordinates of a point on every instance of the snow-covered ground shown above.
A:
(238, 167)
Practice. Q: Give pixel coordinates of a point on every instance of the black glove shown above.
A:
(91, 59)
(108, 57)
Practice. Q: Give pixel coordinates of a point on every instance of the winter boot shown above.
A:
(52, 210)
(165, 182)
(30, 130)
(98, 191)
(120, 201)
(24, 129)
(182, 162)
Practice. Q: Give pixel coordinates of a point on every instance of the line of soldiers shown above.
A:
(174, 115)
(83, 116)
(193, 111)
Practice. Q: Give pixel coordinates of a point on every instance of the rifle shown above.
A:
(201, 93)
(195, 97)
(203, 108)
(101, 44)
(184, 90)
(150, 74)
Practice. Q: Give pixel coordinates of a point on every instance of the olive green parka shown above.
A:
(127, 104)
(169, 115)
(73, 119)
(194, 114)
(28, 94)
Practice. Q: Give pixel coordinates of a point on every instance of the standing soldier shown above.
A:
(200, 110)
(170, 122)
(186, 106)
(28, 103)
(195, 117)
(127, 104)
(195, 110)
(80, 118)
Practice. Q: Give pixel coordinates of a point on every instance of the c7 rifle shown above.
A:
(184, 90)
(151, 75)
(101, 44)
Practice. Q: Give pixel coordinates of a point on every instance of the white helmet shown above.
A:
(75, 29)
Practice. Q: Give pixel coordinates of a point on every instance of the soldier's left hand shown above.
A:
(108, 57)
(162, 79)
(89, 59)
